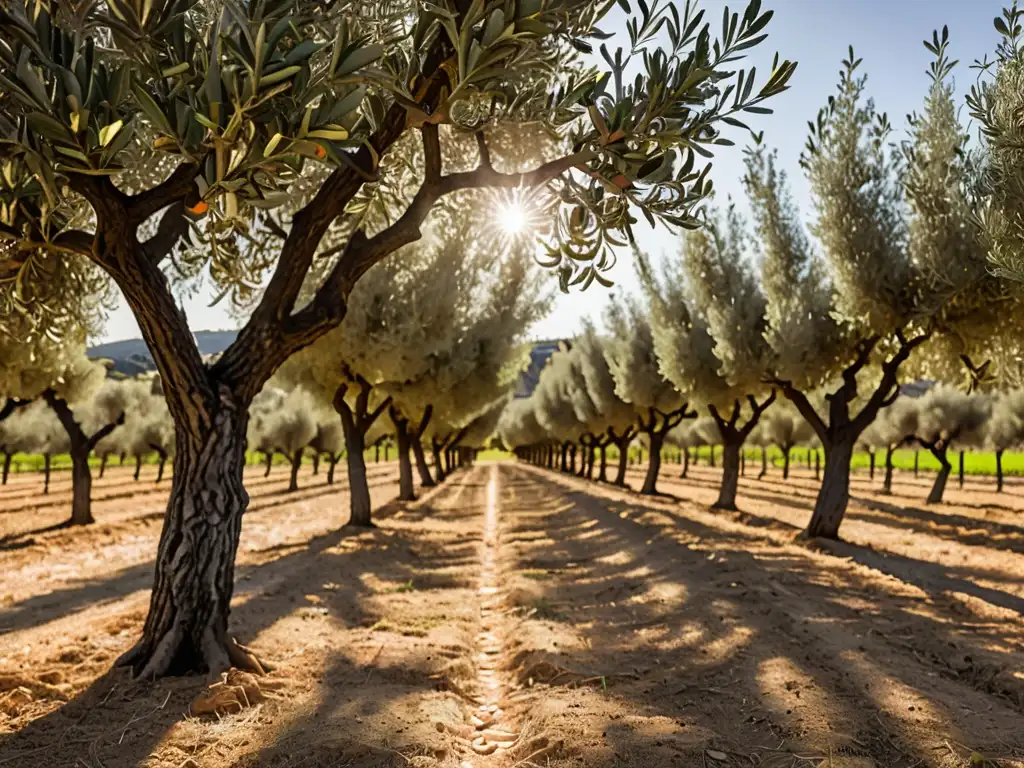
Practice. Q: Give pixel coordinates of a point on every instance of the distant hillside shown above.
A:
(131, 357)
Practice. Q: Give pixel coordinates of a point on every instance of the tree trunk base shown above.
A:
(359, 526)
(219, 654)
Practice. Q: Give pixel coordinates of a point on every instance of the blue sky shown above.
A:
(887, 34)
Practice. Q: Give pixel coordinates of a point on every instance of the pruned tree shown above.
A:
(297, 113)
(709, 323)
(949, 417)
(875, 311)
(633, 362)
(617, 417)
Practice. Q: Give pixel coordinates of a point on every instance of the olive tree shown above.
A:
(708, 323)
(270, 122)
(785, 428)
(858, 321)
(520, 431)
(896, 425)
(634, 365)
(946, 417)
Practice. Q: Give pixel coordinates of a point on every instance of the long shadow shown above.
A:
(942, 524)
(805, 607)
(265, 593)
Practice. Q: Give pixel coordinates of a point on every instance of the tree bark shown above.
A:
(764, 463)
(712, 459)
(961, 469)
(999, 471)
(834, 495)
(46, 472)
(817, 464)
(332, 463)
(871, 465)
(406, 490)
(602, 475)
(916, 461)
(686, 463)
(316, 462)
(187, 626)
(296, 462)
(7, 467)
(743, 463)
(103, 464)
(572, 458)
(733, 438)
(939, 486)
(376, 452)
(138, 467)
(785, 461)
(437, 450)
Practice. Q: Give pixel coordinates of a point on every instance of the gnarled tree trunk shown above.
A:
(650, 486)
(187, 626)
(416, 442)
(733, 437)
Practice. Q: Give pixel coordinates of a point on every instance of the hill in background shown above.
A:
(131, 356)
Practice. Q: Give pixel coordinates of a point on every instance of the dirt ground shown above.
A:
(516, 617)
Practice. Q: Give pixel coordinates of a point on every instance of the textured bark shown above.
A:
(406, 490)
(834, 495)
(296, 461)
(999, 471)
(187, 626)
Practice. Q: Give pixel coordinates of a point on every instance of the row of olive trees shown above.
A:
(256, 166)
(901, 288)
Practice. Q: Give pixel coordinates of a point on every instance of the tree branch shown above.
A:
(179, 187)
(485, 152)
(799, 399)
(105, 431)
(431, 153)
(172, 228)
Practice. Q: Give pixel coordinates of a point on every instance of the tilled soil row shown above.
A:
(661, 634)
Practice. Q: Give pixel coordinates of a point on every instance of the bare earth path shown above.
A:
(515, 618)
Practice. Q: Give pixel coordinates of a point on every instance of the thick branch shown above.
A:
(105, 431)
(172, 228)
(179, 187)
(799, 399)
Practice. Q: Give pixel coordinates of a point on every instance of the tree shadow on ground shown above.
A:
(777, 610)
(264, 594)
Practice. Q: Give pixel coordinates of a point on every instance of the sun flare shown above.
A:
(513, 218)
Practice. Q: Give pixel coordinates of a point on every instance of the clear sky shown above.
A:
(887, 34)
